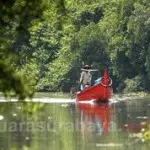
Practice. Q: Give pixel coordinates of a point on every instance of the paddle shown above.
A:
(89, 70)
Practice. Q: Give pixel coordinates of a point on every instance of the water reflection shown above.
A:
(66, 126)
(96, 117)
(116, 126)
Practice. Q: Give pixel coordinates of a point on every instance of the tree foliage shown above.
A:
(49, 43)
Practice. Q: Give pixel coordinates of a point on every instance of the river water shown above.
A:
(62, 124)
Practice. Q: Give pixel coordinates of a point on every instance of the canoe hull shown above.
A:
(99, 92)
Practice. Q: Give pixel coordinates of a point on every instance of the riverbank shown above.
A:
(61, 95)
(45, 95)
(137, 95)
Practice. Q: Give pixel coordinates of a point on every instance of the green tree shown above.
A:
(15, 19)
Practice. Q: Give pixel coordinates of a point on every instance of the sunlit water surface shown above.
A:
(62, 124)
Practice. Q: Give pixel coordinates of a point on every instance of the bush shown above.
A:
(133, 85)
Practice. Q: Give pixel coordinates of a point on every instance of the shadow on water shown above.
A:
(70, 126)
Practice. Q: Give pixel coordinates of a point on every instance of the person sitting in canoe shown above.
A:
(86, 77)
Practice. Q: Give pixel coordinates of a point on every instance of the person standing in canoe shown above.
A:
(86, 77)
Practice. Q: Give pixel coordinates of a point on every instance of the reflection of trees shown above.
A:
(137, 115)
(37, 126)
(120, 114)
(65, 125)
(16, 117)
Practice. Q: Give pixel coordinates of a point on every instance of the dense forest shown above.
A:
(44, 43)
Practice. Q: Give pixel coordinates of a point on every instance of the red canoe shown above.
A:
(100, 92)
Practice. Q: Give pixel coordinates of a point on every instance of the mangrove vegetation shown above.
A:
(44, 43)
